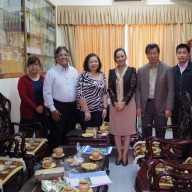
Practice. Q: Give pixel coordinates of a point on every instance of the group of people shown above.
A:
(154, 93)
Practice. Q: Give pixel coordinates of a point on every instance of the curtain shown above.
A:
(99, 39)
(166, 36)
(124, 14)
(70, 43)
(101, 29)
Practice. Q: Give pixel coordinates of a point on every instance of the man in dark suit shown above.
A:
(182, 83)
(154, 92)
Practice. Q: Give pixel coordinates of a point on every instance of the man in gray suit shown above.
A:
(154, 92)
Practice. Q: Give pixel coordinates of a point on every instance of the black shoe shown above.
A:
(118, 162)
(125, 163)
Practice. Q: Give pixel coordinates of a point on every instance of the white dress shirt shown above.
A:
(152, 82)
(60, 84)
(183, 67)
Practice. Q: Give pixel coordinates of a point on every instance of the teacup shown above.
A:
(69, 189)
(83, 186)
(102, 129)
(47, 162)
(58, 151)
(96, 154)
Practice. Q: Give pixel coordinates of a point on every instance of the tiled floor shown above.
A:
(123, 177)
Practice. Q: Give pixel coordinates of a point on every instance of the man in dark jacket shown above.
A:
(182, 81)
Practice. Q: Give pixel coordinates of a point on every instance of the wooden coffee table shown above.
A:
(103, 164)
(99, 141)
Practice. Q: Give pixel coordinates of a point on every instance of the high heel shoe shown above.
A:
(125, 163)
(118, 162)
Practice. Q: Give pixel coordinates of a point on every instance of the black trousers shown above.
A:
(95, 121)
(151, 117)
(67, 122)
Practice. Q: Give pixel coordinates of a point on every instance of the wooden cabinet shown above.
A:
(27, 27)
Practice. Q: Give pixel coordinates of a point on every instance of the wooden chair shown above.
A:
(7, 127)
(141, 148)
(9, 146)
(28, 131)
(169, 148)
(167, 175)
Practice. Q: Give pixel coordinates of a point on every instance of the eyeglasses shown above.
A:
(34, 65)
(62, 55)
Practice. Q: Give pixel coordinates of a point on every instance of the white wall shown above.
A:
(8, 87)
(111, 2)
(81, 2)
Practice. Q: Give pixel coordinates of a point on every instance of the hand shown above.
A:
(40, 109)
(87, 116)
(168, 113)
(56, 115)
(138, 112)
(119, 106)
(104, 113)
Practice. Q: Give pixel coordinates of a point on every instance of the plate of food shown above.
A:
(55, 156)
(72, 161)
(52, 166)
(105, 131)
(89, 166)
(100, 157)
(87, 135)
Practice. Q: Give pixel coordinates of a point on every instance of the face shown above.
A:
(93, 64)
(153, 56)
(120, 58)
(182, 55)
(34, 68)
(62, 58)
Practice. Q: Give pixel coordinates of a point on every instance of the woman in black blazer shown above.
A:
(122, 117)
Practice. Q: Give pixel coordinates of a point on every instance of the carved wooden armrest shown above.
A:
(169, 148)
(162, 127)
(29, 129)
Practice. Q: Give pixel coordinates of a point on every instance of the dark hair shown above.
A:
(183, 45)
(57, 51)
(86, 62)
(117, 50)
(31, 60)
(152, 46)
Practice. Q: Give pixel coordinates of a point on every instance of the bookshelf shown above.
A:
(27, 27)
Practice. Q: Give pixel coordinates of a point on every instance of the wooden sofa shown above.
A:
(171, 151)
